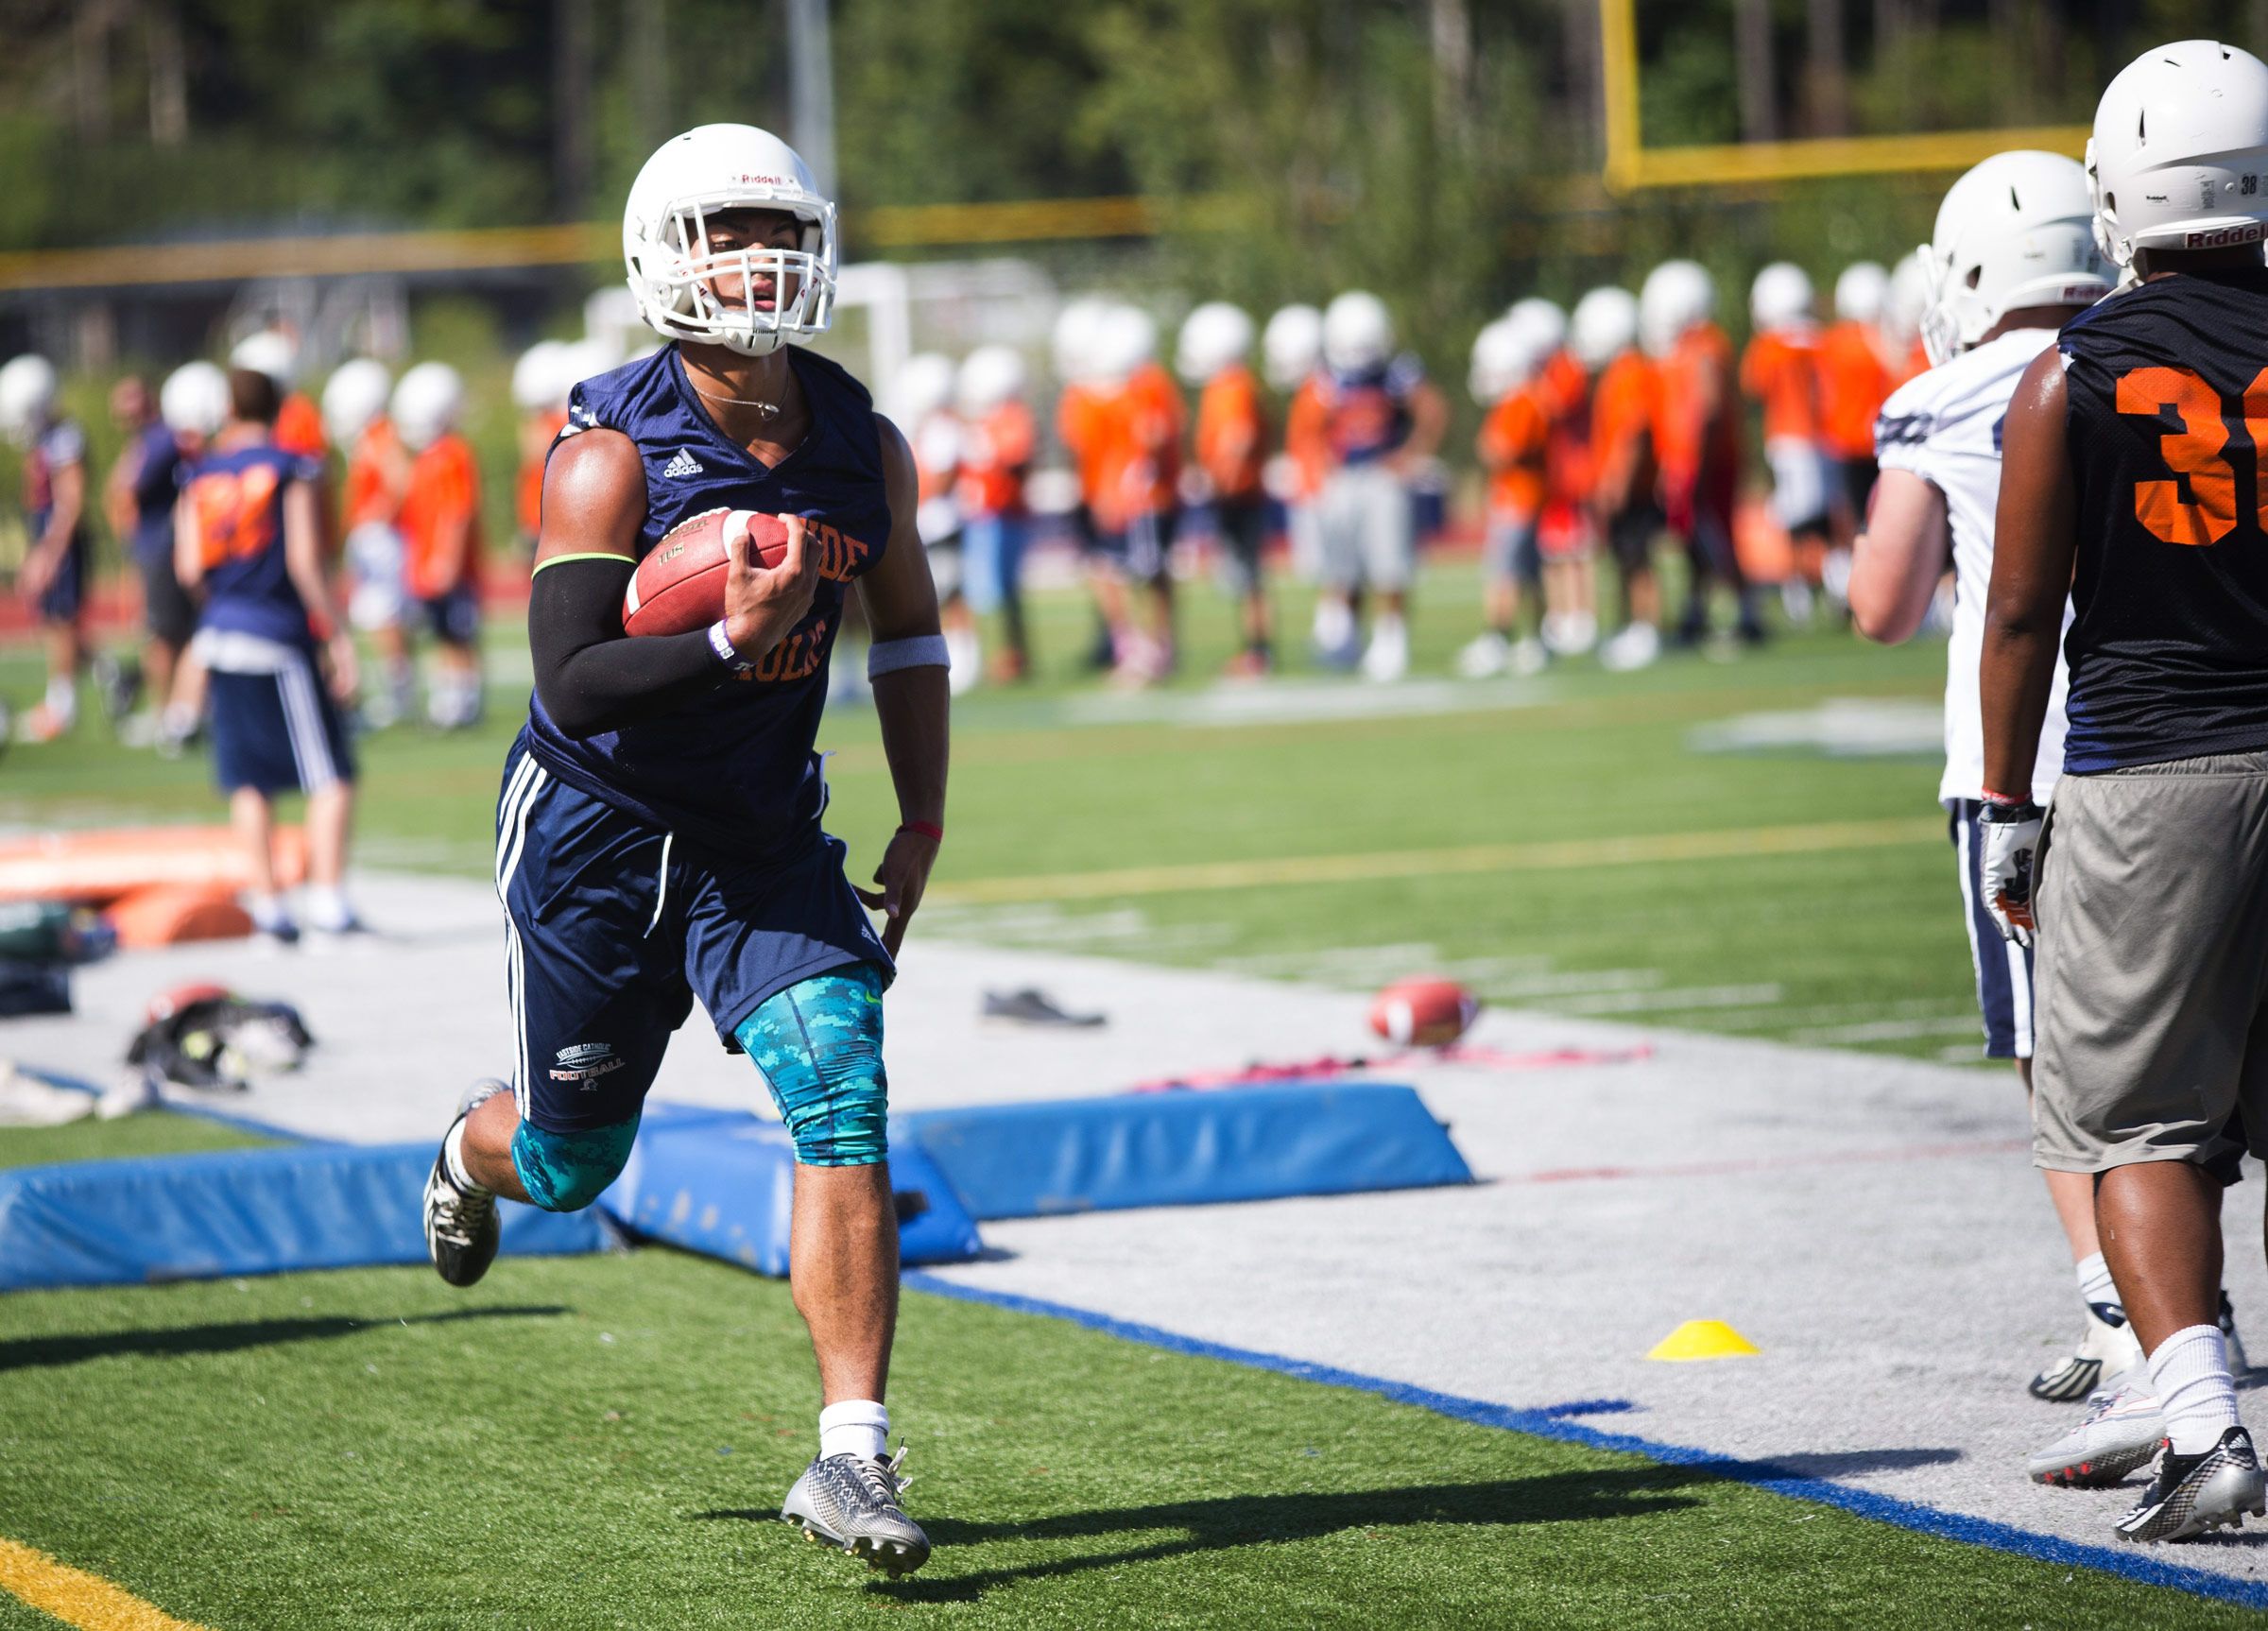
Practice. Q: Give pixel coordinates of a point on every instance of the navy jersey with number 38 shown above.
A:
(2167, 425)
(735, 765)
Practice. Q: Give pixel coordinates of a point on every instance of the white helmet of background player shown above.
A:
(1677, 294)
(1861, 291)
(1358, 332)
(990, 377)
(353, 396)
(2015, 230)
(673, 270)
(1071, 342)
(1124, 341)
(427, 404)
(1541, 318)
(1291, 346)
(1781, 297)
(540, 381)
(28, 386)
(1505, 356)
(1907, 298)
(1216, 337)
(271, 351)
(194, 400)
(921, 388)
(1604, 327)
(2180, 153)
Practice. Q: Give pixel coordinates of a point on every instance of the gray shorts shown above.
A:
(2152, 968)
(1369, 529)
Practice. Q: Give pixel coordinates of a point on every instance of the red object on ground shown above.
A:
(170, 914)
(1426, 1013)
(679, 584)
(100, 866)
(167, 1003)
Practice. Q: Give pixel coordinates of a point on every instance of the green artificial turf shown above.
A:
(146, 1133)
(602, 1442)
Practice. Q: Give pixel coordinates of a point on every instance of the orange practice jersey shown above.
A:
(444, 492)
(996, 450)
(1625, 412)
(1079, 424)
(1853, 382)
(1138, 466)
(528, 496)
(373, 472)
(1307, 438)
(1780, 370)
(1680, 431)
(300, 427)
(1564, 390)
(1514, 444)
(1232, 433)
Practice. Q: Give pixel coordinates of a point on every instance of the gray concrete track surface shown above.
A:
(1869, 1223)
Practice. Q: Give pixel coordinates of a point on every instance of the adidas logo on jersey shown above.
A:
(681, 466)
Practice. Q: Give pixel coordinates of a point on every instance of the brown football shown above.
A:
(1425, 1013)
(679, 584)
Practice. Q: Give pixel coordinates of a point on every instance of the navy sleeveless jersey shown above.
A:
(734, 766)
(2167, 426)
(236, 512)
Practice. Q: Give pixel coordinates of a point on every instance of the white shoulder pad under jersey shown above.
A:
(1944, 426)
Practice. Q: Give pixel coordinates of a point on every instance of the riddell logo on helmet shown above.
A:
(2219, 237)
(761, 180)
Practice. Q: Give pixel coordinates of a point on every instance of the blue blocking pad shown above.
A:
(149, 1219)
(1184, 1148)
(720, 1182)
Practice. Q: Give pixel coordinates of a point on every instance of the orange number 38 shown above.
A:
(232, 514)
(2209, 514)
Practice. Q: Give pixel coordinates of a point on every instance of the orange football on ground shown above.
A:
(1425, 1013)
(679, 584)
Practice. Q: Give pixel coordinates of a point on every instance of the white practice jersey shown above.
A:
(1944, 426)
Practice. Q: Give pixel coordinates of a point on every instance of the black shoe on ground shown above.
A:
(461, 1229)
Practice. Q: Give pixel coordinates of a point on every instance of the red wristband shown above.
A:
(928, 829)
(1991, 798)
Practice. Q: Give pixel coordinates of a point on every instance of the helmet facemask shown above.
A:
(689, 288)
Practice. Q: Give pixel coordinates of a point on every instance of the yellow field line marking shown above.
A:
(1565, 856)
(77, 1598)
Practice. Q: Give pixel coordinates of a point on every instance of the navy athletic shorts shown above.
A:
(455, 616)
(67, 593)
(615, 926)
(2003, 968)
(277, 730)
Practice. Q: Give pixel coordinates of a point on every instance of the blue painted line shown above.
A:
(1553, 1424)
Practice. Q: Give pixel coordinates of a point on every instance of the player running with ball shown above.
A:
(658, 836)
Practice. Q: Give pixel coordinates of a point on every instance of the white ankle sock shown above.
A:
(452, 1162)
(326, 906)
(2095, 1284)
(2195, 1393)
(854, 1427)
(266, 911)
(63, 697)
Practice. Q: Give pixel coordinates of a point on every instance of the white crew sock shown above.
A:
(2195, 1393)
(327, 907)
(854, 1427)
(2095, 1284)
(62, 698)
(452, 1162)
(266, 911)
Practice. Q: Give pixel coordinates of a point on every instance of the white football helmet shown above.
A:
(2015, 230)
(1071, 342)
(1677, 294)
(1124, 339)
(1291, 346)
(1781, 298)
(585, 359)
(1358, 332)
(921, 388)
(27, 387)
(1505, 356)
(673, 270)
(1543, 319)
(2179, 152)
(1216, 336)
(271, 351)
(1604, 327)
(990, 377)
(353, 396)
(427, 404)
(1861, 291)
(194, 400)
(1907, 298)
(540, 377)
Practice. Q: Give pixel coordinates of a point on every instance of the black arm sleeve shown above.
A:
(590, 674)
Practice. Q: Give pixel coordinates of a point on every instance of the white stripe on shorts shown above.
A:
(303, 722)
(512, 838)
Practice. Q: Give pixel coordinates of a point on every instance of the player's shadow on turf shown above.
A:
(1230, 1522)
(24, 1353)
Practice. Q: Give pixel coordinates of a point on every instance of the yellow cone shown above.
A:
(1703, 1339)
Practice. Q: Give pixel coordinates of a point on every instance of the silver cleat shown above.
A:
(2192, 1494)
(851, 1502)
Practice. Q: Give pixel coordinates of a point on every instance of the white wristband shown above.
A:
(915, 651)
